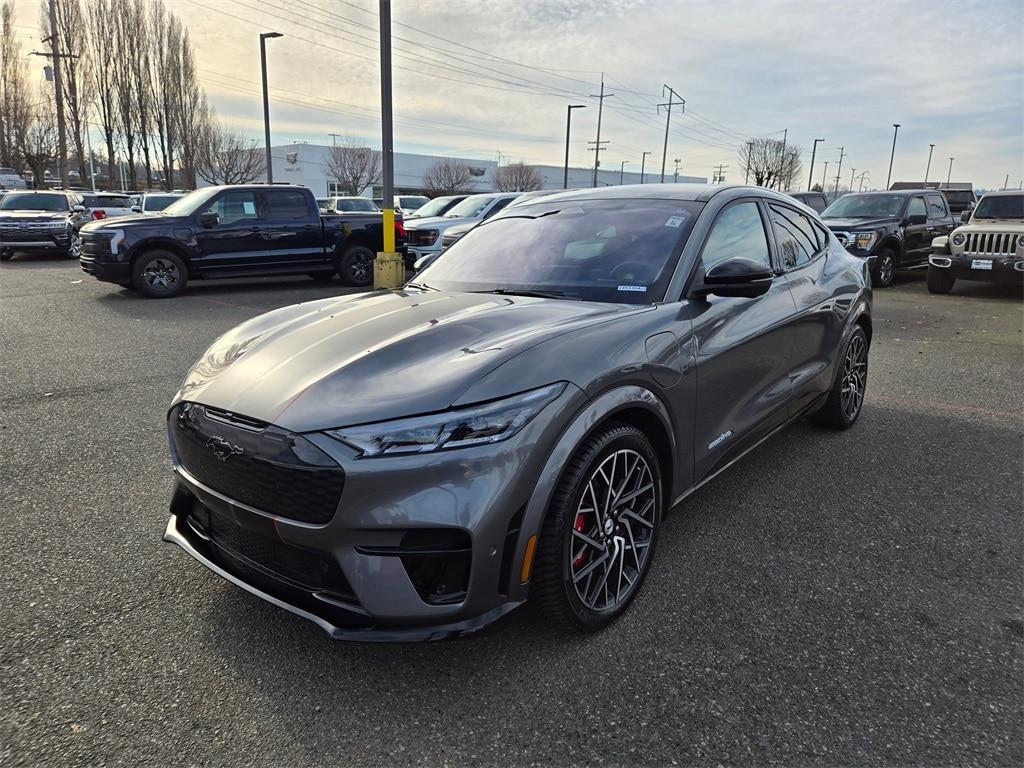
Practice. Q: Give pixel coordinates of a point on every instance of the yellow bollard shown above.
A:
(388, 267)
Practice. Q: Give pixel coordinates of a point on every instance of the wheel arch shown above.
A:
(632, 404)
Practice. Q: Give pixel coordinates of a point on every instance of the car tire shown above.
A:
(356, 266)
(75, 247)
(883, 272)
(939, 280)
(846, 398)
(6, 255)
(322, 277)
(159, 274)
(580, 543)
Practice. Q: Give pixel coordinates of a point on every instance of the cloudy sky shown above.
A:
(475, 78)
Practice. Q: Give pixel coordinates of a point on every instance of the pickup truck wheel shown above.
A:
(6, 255)
(159, 274)
(939, 280)
(356, 266)
(884, 272)
(75, 246)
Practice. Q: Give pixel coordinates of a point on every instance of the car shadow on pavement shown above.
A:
(852, 586)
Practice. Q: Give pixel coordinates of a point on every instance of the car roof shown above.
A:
(1004, 193)
(685, 192)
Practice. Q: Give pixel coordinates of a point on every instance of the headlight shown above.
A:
(475, 425)
(864, 240)
(959, 239)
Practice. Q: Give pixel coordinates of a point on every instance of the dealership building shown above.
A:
(307, 165)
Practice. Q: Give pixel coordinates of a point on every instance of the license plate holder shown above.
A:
(981, 264)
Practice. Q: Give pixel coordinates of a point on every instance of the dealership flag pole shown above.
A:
(388, 267)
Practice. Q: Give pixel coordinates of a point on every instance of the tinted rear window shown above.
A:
(286, 204)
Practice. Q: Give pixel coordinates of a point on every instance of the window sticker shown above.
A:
(249, 207)
(633, 288)
(675, 221)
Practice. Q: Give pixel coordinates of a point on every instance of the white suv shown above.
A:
(423, 236)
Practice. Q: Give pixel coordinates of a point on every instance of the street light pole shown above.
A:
(568, 124)
(675, 179)
(264, 36)
(622, 171)
(810, 176)
(931, 148)
(896, 127)
(643, 162)
(388, 267)
(950, 174)
(824, 173)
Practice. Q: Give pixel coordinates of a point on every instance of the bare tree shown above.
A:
(37, 138)
(75, 79)
(447, 177)
(225, 156)
(353, 166)
(14, 101)
(763, 160)
(103, 62)
(189, 110)
(516, 177)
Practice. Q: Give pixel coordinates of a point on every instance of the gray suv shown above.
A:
(414, 464)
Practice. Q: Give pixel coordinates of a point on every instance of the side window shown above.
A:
(819, 203)
(795, 235)
(234, 206)
(738, 232)
(498, 206)
(285, 204)
(936, 207)
(917, 207)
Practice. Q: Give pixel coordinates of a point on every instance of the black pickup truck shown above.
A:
(890, 229)
(234, 231)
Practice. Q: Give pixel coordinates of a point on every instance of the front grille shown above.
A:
(27, 231)
(257, 464)
(991, 244)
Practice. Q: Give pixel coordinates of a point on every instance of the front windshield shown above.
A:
(434, 208)
(1000, 207)
(593, 250)
(864, 207)
(33, 201)
(412, 202)
(159, 202)
(470, 208)
(351, 204)
(190, 203)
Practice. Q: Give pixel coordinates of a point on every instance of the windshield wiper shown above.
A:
(422, 286)
(524, 292)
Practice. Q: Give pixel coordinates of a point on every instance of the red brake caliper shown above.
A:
(580, 524)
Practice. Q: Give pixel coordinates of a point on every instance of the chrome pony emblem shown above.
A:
(222, 449)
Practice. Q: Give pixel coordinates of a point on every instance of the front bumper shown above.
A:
(38, 244)
(1003, 269)
(356, 576)
(107, 271)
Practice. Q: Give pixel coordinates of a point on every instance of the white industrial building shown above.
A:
(307, 165)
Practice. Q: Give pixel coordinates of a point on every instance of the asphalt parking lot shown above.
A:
(834, 599)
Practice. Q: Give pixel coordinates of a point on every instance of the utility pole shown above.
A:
(853, 173)
(643, 162)
(388, 267)
(810, 176)
(896, 130)
(334, 140)
(56, 56)
(719, 176)
(842, 151)
(860, 187)
(264, 36)
(823, 175)
(750, 155)
(782, 160)
(675, 178)
(668, 119)
(597, 143)
(622, 171)
(950, 174)
(568, 125)
(927, 168)
(1006, 182)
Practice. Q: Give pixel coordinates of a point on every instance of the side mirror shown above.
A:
(78, 208)
(137, 209)
(918, 218)
(209, 219)
(737, 277)
(965, 216)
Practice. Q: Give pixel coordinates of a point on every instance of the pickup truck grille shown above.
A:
(27, 231)
(991, 244)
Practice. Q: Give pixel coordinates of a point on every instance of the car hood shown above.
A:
(845, 224)
(376, 356)
(138, 220)
(34, 215)
(992, 225)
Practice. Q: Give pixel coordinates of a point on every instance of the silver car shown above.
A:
(424, 235)
(514, 425)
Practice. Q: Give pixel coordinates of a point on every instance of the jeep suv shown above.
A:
(990, 247)
(890, 229)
